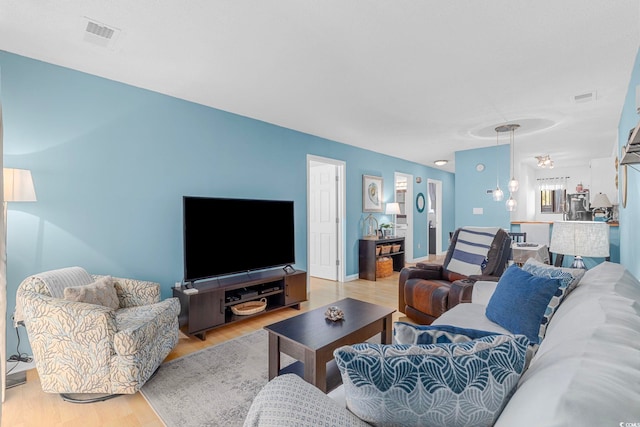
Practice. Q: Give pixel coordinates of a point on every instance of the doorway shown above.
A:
(404, 222)
(325, 218)
(434, 189)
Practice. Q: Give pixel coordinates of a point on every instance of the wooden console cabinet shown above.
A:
(367, 256)
(210, 307)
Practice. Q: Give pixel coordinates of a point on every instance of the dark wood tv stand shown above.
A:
(210, 307)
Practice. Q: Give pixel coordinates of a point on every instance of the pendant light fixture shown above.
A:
(513, 185)
(498, 195)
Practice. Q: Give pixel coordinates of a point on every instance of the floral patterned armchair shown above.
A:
(82, 347)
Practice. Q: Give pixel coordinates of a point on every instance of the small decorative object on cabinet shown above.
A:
(386, 229)
(370, 227)
(368, 255)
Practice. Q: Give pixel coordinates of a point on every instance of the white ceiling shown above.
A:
(415, 79)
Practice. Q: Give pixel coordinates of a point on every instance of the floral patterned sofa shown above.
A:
(111, 343)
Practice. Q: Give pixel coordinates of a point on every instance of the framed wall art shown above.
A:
(371, 193)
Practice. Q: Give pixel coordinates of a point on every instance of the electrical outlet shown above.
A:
(419, 245)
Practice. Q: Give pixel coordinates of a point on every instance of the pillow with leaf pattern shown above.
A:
(451, 384)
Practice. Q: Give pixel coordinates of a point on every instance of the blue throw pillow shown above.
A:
(439, 384)
(520, 302)
(408, 333)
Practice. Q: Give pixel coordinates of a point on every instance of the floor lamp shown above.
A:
(18, 187)
(579, 238)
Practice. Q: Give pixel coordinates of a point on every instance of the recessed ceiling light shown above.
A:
(441, 162)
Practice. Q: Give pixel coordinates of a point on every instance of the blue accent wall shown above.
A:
(472, 187)
(111, 163)
(629, 230)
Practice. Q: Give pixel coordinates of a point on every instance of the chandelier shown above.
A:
(545, 161)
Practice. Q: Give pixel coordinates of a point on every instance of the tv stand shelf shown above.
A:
(210, 307)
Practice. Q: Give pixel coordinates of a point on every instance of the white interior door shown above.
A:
(323, 220)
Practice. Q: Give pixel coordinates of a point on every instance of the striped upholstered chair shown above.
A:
(475, 253)
(95, 337)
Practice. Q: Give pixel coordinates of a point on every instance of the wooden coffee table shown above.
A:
(311, 339)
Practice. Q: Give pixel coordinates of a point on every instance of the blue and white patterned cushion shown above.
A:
(439, 384)
(408, 333)
(472, 247)
(569, 279)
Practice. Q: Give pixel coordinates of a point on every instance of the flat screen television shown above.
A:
(225, 236)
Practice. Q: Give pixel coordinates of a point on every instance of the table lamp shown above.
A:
(601, 207)
(392, 208)
(580, 239)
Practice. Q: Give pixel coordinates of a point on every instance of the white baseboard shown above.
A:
(351, 278)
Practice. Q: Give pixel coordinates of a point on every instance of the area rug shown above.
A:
(214, 386)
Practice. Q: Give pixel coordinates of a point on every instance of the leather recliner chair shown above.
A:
(428, 290)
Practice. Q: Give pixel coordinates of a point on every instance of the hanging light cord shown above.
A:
(513, 152)
(498, 162)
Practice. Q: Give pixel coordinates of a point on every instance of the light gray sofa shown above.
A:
(586, 371)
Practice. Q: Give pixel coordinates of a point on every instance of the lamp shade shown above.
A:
(18, 185)
(392, 208)
(601, 201)
(580, 238)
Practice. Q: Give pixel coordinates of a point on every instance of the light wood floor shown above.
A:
(27, 405)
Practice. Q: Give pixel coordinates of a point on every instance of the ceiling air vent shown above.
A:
(98, 33)
(585, 97)
(100, 30)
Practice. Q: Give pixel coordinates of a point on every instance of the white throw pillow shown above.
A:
(101, 292)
